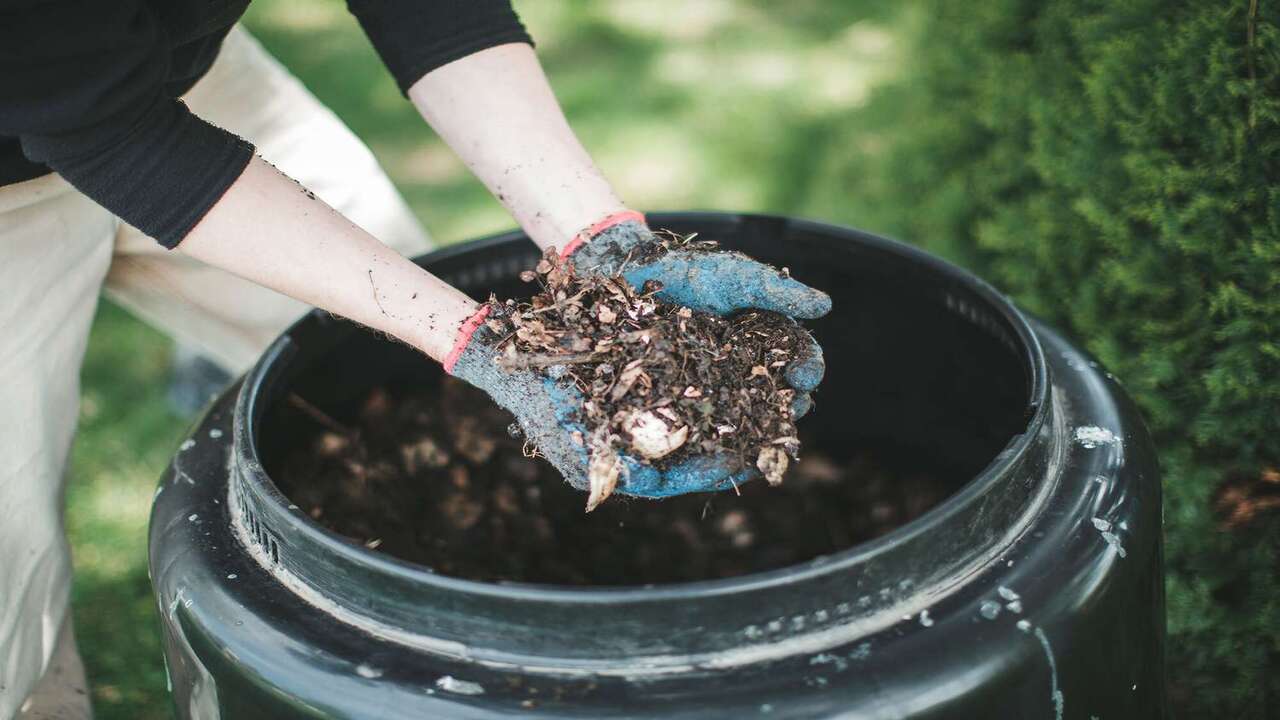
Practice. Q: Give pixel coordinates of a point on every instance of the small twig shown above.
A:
(522, 361)
(319, 415)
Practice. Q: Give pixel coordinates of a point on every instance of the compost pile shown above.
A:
(425, 470)
(660, 382)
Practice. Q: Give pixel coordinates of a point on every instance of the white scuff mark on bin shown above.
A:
(1014, 606)
(180, 598)
(839, 663)
(989, 609)
(368, 672)
(1007, 593)
(1059, 702)
(1104, 527)
(193, 517)
(925, 620)
(1073, 362)
(1092, 436)
(179, 473)
(449, 683)
(215, 433)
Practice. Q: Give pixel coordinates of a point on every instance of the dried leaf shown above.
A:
(626, 379)
(773, 462)
(652, 437)
(603, 469)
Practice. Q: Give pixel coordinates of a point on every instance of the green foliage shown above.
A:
(1116, 167)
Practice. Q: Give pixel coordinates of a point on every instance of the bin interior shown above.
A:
(925, 384)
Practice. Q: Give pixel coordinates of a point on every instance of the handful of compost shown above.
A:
(623, 390)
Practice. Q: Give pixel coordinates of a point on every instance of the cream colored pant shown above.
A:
(58, 250)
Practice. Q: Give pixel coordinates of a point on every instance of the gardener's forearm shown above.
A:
(270, 230)
(496, 110)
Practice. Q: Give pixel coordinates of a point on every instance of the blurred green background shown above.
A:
(1092, 160)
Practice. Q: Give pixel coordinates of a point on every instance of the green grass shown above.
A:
(716, 104)
(126, 434)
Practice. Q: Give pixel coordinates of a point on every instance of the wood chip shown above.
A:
(603, 470)
(652, 437)
(626, 379)
(773, 462)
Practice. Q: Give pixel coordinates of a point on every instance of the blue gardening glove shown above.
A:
(549, 408)
(715, 281)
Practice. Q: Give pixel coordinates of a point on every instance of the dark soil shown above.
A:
(434, 477)
(661, 382)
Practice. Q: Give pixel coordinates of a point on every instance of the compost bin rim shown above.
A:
(252, 472)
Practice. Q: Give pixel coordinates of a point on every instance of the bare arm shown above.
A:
(496, 110)
(269, 229)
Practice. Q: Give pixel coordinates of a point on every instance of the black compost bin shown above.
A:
(1032, 588)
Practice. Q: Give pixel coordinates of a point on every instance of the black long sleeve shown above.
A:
(89, 88)
(414, 37)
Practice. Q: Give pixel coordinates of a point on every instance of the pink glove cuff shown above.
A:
(469, 327)
(586, 235)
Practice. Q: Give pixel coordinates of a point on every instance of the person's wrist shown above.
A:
(602, 227)
(463, 339)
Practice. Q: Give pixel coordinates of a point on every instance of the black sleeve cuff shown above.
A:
(161, 176)
(414, 37)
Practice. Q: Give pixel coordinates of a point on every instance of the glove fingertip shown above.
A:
(791, 297)
(801, 406)
(806, 372)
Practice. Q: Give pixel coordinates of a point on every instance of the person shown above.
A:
(153, 148)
